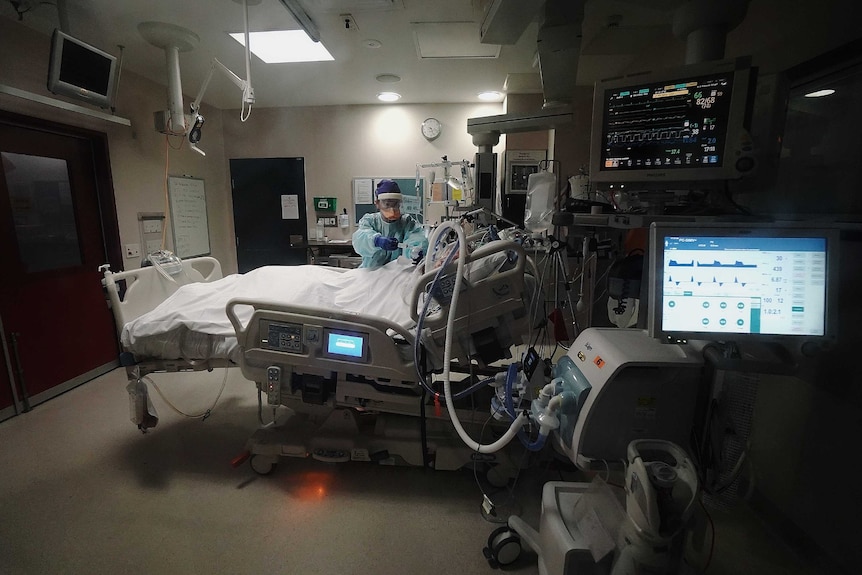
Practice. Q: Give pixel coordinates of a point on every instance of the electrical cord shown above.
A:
(204, 414)
(493, 517)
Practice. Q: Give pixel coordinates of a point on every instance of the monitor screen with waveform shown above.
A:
(672, 129)
(726, 282)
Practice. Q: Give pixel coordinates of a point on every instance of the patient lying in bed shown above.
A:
(192, 322)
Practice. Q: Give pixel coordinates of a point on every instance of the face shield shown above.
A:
(390, 209)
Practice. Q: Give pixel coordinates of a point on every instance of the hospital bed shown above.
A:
(331, 344)
(134, 293)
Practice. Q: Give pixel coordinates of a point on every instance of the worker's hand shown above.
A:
(388, 244)
(417, 256)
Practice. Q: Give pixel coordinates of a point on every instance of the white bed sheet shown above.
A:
(192, 323)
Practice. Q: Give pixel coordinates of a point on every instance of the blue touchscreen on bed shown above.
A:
(345, 344)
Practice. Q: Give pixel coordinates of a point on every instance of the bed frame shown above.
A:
(492, 317)
(330, 396)
(333, 399)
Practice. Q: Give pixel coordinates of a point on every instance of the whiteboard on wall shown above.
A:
(189, 226)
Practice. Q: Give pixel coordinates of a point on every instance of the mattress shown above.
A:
(192, 323)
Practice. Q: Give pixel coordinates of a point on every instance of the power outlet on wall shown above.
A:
(133, 250)
(152, 226)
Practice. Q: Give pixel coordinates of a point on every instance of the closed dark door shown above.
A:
(269, 211)
(56, 322)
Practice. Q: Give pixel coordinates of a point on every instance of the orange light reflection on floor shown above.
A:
(312, 485)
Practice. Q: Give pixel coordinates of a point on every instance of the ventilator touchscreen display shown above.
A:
(744, 285)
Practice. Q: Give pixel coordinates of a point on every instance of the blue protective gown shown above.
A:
(406, 229)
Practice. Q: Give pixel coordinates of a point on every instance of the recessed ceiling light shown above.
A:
(388, 96)
(820, 93)
(281, 46)
(490, 95)
(388, 78)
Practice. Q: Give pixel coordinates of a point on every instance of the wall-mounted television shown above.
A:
(673, 129)
(743, 282)
(81, 71)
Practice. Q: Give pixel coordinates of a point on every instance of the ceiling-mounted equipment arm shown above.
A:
(245, 86)
(194, 132)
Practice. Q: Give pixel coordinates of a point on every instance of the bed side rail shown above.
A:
(500, 286)
(295, 336)
(492, 312)
(146, 288)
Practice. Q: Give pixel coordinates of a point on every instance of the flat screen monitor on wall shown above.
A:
(729, 282)
(81, 71)
(675, 129)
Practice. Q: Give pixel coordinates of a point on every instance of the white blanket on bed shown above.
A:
(200, 307)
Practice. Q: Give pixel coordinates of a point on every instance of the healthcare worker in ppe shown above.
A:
(378, 235)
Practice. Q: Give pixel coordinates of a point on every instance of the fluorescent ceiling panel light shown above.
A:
(281, 46)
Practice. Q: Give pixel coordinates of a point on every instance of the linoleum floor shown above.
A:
(83, 491)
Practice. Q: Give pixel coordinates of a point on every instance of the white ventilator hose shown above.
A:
(521, 419)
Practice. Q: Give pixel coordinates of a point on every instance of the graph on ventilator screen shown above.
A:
(716, 285)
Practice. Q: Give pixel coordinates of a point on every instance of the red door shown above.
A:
(57, 327)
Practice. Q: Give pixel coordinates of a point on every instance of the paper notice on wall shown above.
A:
(290, 207)
(363, 191)
(411, 205)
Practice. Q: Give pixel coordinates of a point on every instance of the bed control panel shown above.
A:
(281, 336)
(444, 288)
(273, 385)
(316, 341)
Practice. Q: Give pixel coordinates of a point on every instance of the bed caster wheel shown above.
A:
(261, 464)
(504, 547)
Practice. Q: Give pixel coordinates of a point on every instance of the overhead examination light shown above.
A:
(302, 18)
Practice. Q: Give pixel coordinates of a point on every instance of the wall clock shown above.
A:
(431, 128)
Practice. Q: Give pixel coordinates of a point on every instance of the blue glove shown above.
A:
(388, 244)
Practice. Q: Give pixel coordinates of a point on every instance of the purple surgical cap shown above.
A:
(387, 187)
